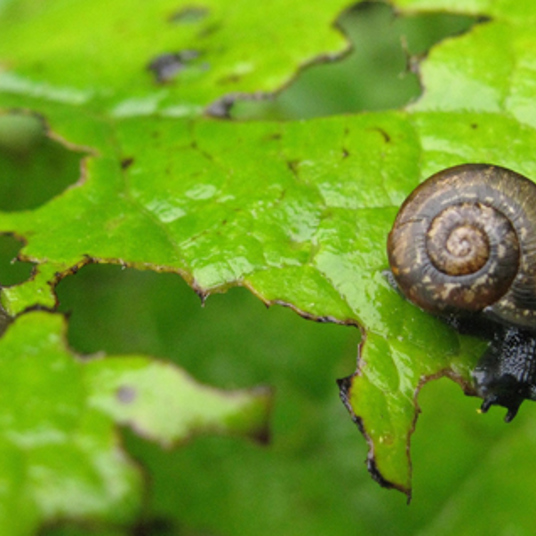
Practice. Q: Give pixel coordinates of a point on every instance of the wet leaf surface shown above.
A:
(296, 212)
(116, 64)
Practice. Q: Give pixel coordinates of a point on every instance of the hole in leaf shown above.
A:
(33, 167)
(374, 76)
(12, 271)
(234, 341)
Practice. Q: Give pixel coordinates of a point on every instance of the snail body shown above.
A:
(463, 246)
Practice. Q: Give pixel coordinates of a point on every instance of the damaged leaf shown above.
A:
(61, 455)
(297, 212)
(98, 61)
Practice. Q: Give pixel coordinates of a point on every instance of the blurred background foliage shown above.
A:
(311, 478)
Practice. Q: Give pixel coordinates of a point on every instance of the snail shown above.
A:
(463, 247)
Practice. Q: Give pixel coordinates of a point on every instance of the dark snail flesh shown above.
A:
(463, 247)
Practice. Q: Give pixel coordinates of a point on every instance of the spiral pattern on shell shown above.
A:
(465, 240)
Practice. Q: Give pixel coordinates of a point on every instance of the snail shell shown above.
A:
(464, 245)
(465, 240)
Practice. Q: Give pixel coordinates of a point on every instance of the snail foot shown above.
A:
(511, 404)
(506, 373)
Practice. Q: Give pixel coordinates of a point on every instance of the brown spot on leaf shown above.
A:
(384, 134)
(208, 30)
(345, 387)
(126, 162)
(167, 66)
(126, 394)
(293, 166)
(377, 476)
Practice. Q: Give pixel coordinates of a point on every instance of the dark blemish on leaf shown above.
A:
(189, 15)
(221, 107)
(345, 153)
(276, 136)
(345, 387)
(126, 394)
(293, 165)
(208, 31)
(5, 320)
(474, 126)
(324, 319)
(385, 135)
(167, 66)
(309, 316)
(377, 476)
(203, 295)
(127, 162)
(72, 270)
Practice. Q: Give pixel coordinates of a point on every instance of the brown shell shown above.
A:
(465, 240)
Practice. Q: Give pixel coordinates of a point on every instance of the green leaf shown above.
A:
(58, 414)
(296, 212)
(213, 49)
(163, 403)
(213, 484)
